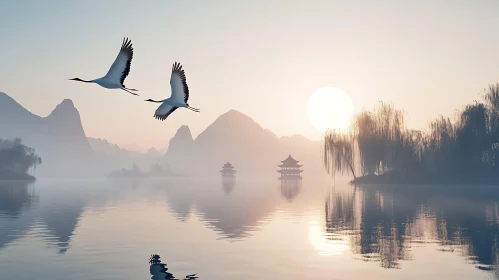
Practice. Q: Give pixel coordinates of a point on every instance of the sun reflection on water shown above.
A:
(326, 244)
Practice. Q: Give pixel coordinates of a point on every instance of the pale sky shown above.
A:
(263, 58)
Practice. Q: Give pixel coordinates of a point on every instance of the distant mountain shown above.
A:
(237, 138)
(58, 138)
(152, 152)
(118, 158)
(103, 146)
(180, 151)
(133, 148)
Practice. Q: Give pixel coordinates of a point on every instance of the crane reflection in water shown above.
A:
(159, 271)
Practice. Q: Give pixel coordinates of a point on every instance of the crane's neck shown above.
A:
(157, 101)
(80, 80)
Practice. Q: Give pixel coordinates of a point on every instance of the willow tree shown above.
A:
(492, 103)
(364, 130)
(379, 143)
(339, 153)
(379, 134)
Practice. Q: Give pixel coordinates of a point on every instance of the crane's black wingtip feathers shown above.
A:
(127, 49)
(163, 117)
(177, 69)
(127, 43)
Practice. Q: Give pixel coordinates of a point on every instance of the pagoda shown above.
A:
(290, 169)
(228, 170)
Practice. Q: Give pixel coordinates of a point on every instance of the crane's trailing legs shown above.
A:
(193, 109)
(129, 90)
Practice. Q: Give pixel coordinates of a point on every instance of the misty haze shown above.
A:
(249, 140)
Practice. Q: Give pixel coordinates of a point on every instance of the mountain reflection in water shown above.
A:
(378, 232)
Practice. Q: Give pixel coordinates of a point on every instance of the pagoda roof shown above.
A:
(289, 160)
(228, 165)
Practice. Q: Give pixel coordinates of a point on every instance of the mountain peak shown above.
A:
(234, 113)
(184, 133)
(181, 143)
(234, 117)
(65, 108)
(67, 102)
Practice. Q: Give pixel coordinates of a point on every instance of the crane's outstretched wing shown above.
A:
(163, 111)
(180, 91)
(121, 65)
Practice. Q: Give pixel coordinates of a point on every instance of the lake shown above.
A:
(250, 229)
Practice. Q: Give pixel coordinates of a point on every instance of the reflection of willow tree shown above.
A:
(383, 222)
(378, 143)
(16, 158)
(376, 231)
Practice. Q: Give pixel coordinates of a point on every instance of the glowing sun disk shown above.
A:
(330, 108)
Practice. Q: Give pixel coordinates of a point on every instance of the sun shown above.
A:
(330, 107)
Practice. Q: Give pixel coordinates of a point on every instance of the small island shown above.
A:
(17, 161)
(157, 171)
(379, 149)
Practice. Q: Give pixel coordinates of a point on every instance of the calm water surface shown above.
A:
(253, 229)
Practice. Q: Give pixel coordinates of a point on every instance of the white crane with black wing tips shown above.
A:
(179, 96)
(118, 72)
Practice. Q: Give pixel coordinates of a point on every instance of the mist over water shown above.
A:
(255, 227)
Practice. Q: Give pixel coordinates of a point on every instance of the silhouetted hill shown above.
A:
(65, 124)
(61, 142)
(9, 106)
(118, 158)
(103, 146)
(180, 149)
(152, 152)
(58, 138)
(237, 138)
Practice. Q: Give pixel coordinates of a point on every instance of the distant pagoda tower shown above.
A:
(290, 169)
(228, 170)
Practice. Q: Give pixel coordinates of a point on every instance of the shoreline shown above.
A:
(16, 177)
(392, 179)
